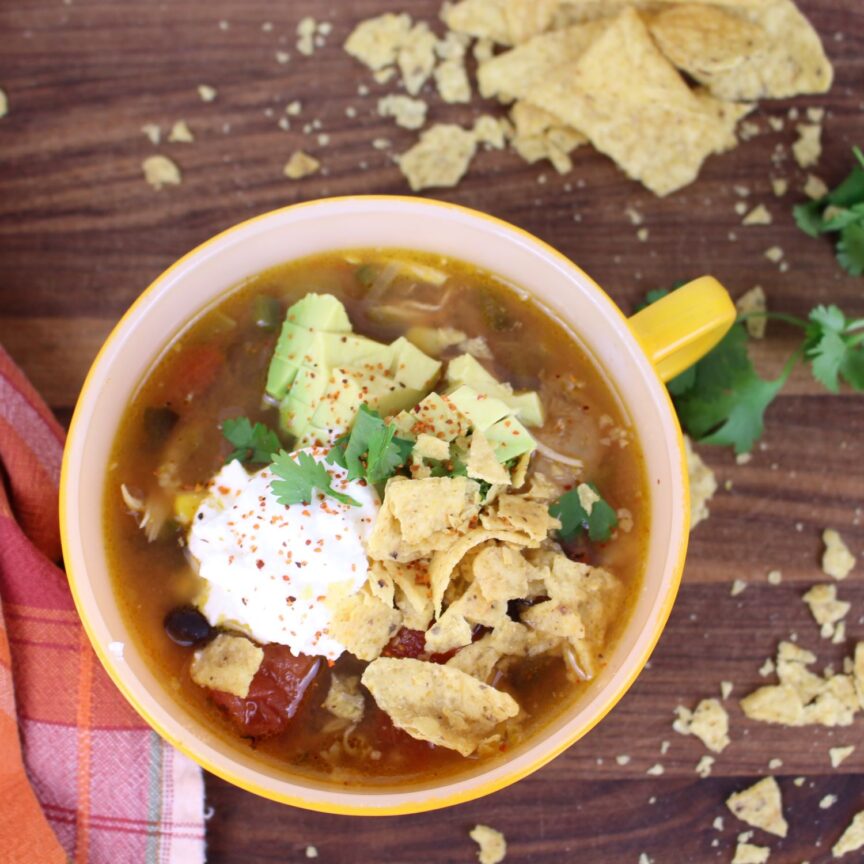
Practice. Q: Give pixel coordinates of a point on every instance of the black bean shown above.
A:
(186, 626)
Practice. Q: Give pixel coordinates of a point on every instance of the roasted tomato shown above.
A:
(276, 692)
(412, 644)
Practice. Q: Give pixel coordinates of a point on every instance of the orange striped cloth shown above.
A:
(82, 778)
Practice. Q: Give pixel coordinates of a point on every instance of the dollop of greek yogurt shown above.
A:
(270, 567)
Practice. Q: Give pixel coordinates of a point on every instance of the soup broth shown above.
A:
(216, 369)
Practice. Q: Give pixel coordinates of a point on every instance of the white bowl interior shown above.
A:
(283, 235)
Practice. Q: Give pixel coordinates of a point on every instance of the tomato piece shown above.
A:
(279, 687)
(390, 739)
(412, 644)
(197, 367)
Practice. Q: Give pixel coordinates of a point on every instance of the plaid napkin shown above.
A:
(82, 778)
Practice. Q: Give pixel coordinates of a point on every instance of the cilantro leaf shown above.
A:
(850, 247)
(833, 345)
(574, 518)
(251, 443)
(371, 450)
(299, 477)
(840, 211)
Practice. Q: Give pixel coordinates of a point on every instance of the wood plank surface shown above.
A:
(81, 235)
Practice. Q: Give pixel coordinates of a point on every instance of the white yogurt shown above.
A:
(270, 568)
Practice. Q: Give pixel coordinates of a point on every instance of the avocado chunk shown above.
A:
(322, 372)
(465, 369)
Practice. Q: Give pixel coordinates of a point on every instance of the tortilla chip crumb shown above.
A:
(622, 759)
(376, 41)
(826, 609)
(207, 93)
(774, 254)
(759, 215)
(747, 853)
(306, 30)
(779, 186)
(761, 806)
(837, 560)
(311, 852)
(753, 301)
(774, 764)
(726, 688)
(4, 103)
(704, 766)
(739, 586)
(709, 723)
(153, 133)
(838, 755)
(828, 801)
(160, 171)
(767, 668)
(452, 81)
(808, 148)
(703, 484)
(493, 846)
(180, 133)
(416, 58)
(228, 663)
(656, 770)
(440, 158)
(300, 165)
(492, 131)
(815, 187)
(775, 577)
(852, 839)
(407, 112)
(799, 781)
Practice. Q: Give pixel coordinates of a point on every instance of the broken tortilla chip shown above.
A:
(761, 806)
(364, 624)
(493, 846)
(440, 158)
(228, 663)
(635, 107)
(483, 464)
(435, 703)
(852, 838)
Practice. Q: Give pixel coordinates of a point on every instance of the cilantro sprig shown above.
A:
(252, 443)
(840, 212)
(599, 524)
(371, 451)
(300, 476)
(722, 399)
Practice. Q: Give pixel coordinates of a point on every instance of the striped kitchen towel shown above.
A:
(82, 777)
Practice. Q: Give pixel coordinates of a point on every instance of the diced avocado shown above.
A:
(320, 312)
(411, 367)
(434, 415)
(509, 438)
(466, 370)
(338, 405)
(483, 411)
(348, 349)
(299, 405)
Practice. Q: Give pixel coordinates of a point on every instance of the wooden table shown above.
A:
(81, 234)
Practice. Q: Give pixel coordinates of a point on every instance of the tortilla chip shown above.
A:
(838, 755)
(837, 560)
(407, 112)
(633, 105)
(518, 513)
(381, 583)
(753, 301)
(444, 562)
(858, 672)
(161, 171)
(502, 573)
(435, 703)
(836, 705)
(180, 133)
(416, 58)
(484, 19)
(785, 58)
(344, 699)
(376, 41)
(450, 631)
(493, 846)
(440, 158)
(747, 853)
(761, 806)
(852, 838)
(709, 723)
(430, 447)
(364, 624)
(516, 74)
(451, 79)
(300, 165)
(779, 704)
(482, 462)
(494, 133)
(703, 484)
(529, 18)
(826, 608)
(228, 663)
(808, 148)
(425, 508)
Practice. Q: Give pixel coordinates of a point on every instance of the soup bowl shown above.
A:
(637, 355)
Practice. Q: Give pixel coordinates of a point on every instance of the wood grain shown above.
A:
(81, 235)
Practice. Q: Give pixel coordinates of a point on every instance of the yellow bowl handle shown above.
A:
(683, 327)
